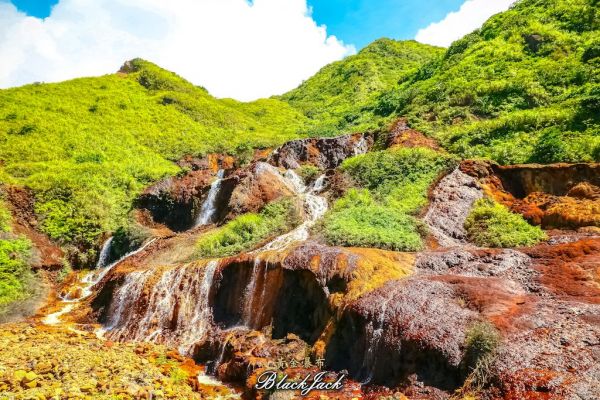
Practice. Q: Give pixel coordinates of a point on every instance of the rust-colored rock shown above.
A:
(257, 186)
(402, 135)
(21, 201)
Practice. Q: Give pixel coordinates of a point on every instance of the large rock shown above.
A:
(450, 205)
(325, 153)
(257, 186)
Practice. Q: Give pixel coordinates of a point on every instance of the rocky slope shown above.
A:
(390, 319)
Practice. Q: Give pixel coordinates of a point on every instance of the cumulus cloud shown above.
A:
(471, 15)
(235, 48)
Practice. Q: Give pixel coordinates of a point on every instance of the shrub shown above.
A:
(248, 230)
(392, 189)
(481, 344)
(357, 221)
(308, 172)
(493, 225)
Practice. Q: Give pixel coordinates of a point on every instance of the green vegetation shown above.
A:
(88, 146)
(394, 190)
(523, 88)
(308, 172)
(492, 225)
(16, 277)
(342, 95)
(481, 343)
(248, 230)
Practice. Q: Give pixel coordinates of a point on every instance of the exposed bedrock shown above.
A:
(451, 201)
(176, 202)
(255, 187)
(406, 328)
(325, 153)
(555, 179)
(553, 196)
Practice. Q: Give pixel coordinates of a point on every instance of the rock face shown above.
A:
(554, 179)
(406, 321)
(255, 187)
(47, 255)
(451, 202)
(553, 196)
(402, 135)
(325, 153)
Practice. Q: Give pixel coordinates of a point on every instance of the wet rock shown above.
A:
(414, 326)
(325, 153)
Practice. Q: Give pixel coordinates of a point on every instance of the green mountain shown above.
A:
(88, 146)
(523, 88)
(342, 95)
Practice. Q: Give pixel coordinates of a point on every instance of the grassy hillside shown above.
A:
(523, 88)
(341, 96)
(88, 146)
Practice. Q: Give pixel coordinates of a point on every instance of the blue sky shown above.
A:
(359, 22)
(356, 22)
(245, 49)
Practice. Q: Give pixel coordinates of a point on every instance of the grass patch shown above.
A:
(248, 230)
(493, 225)
(17, 281)
(391, 190)
(87, 147)
(481, 344)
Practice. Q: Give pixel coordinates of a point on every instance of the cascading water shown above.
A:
(176, 313)
(209, 207)
(104, 253)
(88, 282)
(374, 336)
(361, 146)
(96, 276)
(314, 206)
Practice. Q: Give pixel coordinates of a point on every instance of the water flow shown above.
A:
(314, 206)
(373, 343)
(176, 313)
(209, 207)
(96, 276)
(88, 281)
(361, 146)
(104, 253)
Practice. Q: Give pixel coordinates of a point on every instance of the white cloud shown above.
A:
(235, 48)
(471, 15)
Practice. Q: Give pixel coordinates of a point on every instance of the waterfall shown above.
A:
(96, 276)
(319, 184)
(176, 313)
(373, 336)
(249, 294)
(361, 146)
(209, 207)
(104, 253)
(314, 206)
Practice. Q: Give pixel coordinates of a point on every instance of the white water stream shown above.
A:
(314, 207)
(88, 281)
(176, 313)
(209, 207)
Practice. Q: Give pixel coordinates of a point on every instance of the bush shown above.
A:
(392, 189)
(493, 225)
(308, 172)
(248, 230)
(357, 221)
(481, 343)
